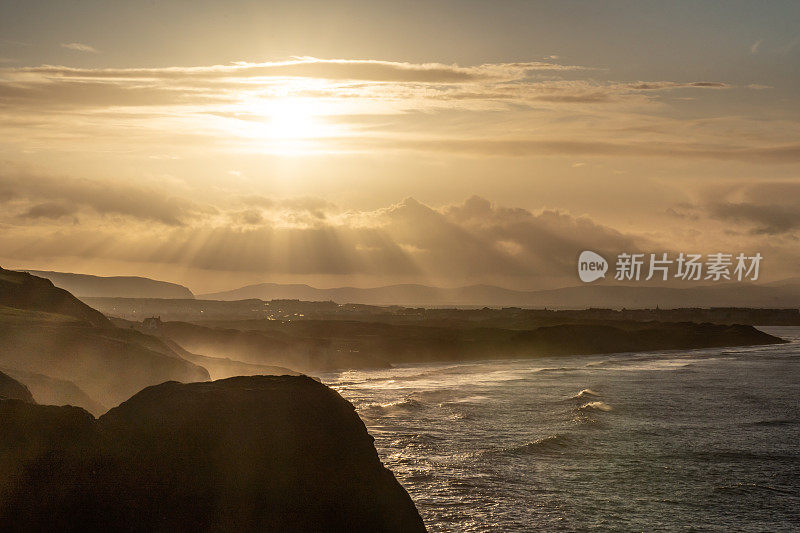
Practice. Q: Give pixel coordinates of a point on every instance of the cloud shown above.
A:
(80, 47)
(251, 217)
(521, 109)
(308, 67)
(366, 80)
(781, 154)
(50, 197)
(473, 240)
(66, 94)
(51, 210)
(768, 219)
(298, 211)
(755, 46)
(767, 208)
(300, 203)
(662, 85)
(520, 90)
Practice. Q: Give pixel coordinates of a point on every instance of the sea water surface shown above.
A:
(702, 440)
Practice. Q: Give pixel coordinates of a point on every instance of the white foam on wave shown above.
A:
(406, 404)
(586, 393)
(596, 406)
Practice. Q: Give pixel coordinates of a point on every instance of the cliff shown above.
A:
(267, 453)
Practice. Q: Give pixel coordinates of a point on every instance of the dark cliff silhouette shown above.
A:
(263, 453)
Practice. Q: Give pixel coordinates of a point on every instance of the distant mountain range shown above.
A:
(779, 294)
(784, 293)
(84, 285)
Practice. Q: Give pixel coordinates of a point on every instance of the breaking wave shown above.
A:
(586, 393)
(407, 404)
(595, 406)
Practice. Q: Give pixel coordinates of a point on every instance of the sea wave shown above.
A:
(559, 369)
(406, 404)
(595, 406)
(586, 393)
(549, 444)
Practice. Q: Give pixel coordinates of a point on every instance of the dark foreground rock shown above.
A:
(267, 453)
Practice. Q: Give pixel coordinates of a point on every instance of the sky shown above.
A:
(218, 144)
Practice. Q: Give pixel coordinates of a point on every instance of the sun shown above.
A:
(281, 119)
(283, 124)
(292, 119)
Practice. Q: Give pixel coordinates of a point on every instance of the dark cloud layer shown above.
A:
(49, 210)
(769, 208)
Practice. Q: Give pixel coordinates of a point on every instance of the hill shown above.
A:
(57, 342)
(20, 290)
(13, 389)
(324, 345)
(84, 285)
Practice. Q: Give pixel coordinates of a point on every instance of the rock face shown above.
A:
(13, 389)
(266, 453)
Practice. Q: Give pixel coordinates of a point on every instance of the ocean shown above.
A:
(702, 440)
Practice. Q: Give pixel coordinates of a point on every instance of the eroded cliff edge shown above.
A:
(269, 453)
